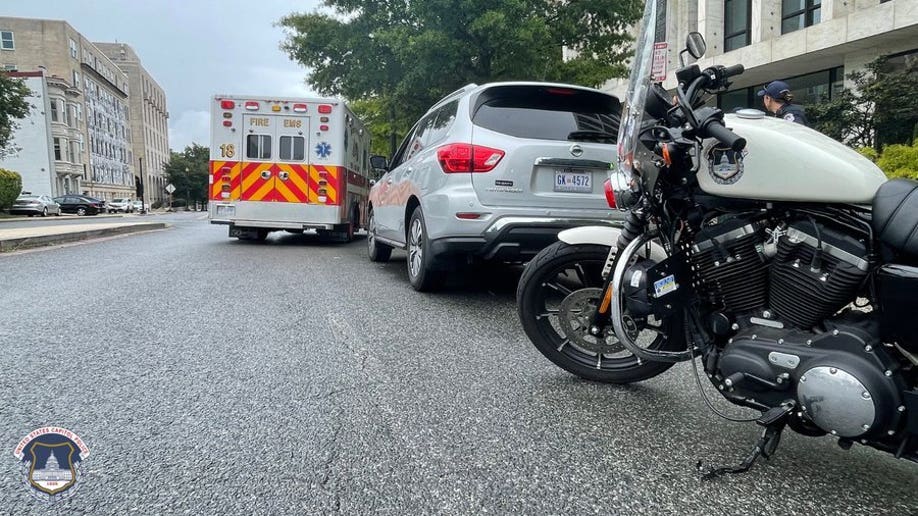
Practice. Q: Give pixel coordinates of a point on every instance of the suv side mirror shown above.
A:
(379, 163)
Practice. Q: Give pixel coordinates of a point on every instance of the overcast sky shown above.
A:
(192, 48)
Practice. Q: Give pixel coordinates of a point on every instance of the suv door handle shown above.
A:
(389, 181)
(409, 170)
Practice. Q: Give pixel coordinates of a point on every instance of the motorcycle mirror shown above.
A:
(695, 44)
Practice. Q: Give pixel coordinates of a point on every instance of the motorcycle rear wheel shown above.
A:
(562, 272)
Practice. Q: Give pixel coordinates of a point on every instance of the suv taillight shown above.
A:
(465, 157)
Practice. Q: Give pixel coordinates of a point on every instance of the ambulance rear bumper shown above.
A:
(273, 224)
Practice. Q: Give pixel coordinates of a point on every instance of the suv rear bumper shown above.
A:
(512, 238)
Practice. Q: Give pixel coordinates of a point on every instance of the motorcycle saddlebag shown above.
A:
(898, 292)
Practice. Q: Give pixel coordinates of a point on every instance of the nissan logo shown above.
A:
(576, 150)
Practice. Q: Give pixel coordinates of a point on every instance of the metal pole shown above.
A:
(143, 188)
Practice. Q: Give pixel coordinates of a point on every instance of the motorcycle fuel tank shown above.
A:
(785, 161)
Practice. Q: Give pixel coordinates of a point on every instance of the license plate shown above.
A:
(225, 211)
(573, 182)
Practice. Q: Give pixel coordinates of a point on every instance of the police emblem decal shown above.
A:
(323, 150)
(725, 165)
(50, 460)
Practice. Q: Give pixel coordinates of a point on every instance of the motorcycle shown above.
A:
(781, 260)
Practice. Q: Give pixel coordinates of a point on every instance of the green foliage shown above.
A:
(188, 171)
(396, 59)
(10, 188)
(13, 106)
(869, 153)
(899, 161)
(877, 111)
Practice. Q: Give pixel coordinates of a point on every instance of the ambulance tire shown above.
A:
(423, 274)
(376, 251)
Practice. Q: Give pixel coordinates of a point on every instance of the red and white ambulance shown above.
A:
(287, 164)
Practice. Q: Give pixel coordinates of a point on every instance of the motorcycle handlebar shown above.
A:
(715, 129)
(736, 69)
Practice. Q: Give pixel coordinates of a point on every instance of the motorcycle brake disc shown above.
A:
(574, 320)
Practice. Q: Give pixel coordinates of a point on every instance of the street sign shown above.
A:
(658, 70)
(170, 188)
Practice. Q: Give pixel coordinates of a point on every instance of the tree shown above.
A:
(877, 111)
(187, 171)
(13, 106)
(397, 58)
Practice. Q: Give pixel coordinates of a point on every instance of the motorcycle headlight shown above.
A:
(625, 188)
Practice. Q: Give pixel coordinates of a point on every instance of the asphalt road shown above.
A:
(211, 376)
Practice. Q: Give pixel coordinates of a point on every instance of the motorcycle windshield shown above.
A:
(639, 84)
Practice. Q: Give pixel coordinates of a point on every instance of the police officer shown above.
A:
(778, 100)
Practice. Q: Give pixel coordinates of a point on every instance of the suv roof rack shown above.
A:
(468, 87)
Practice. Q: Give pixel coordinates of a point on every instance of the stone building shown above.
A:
(90, 122)
(149, 119)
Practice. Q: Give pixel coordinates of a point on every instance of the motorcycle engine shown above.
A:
(775, 290)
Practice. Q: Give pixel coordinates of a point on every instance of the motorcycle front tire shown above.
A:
(547, 339)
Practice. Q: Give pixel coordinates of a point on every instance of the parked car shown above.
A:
(140, 206)
(121, 204)
(494, 172)
(80, 204)
(31, 205)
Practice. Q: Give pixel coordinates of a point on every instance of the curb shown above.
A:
(87, 218)
(14, 244)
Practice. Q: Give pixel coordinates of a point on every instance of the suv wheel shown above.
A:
(421, 272)
(44, 212)
(377, 251)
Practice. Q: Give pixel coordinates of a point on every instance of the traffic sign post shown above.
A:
(169, 189)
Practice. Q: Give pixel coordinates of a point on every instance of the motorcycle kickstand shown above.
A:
(774, 421)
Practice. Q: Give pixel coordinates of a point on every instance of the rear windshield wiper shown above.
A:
(592, 136)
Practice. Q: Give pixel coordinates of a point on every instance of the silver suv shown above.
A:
(494, 172)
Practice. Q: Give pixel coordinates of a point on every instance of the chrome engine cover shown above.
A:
(837, 401)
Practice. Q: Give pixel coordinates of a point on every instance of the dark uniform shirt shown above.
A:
(793, 113)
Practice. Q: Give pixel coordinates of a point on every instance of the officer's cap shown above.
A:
(774, 89)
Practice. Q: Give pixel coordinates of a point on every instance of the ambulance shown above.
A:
(287, 164)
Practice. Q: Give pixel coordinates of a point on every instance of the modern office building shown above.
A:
(811, 44)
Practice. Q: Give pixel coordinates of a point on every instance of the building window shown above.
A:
(797, 14)
(55, 111)
(57, 149)
(10, 68)
(73, 49)
(6, 40)
(737, 23)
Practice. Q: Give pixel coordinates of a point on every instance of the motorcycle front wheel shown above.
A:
(556, 295)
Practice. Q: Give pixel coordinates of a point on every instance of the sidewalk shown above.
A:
(88, 218)
(24, 238)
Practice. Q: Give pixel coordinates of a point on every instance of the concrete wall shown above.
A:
(32, 139)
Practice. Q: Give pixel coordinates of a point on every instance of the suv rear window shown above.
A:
(546, 112)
